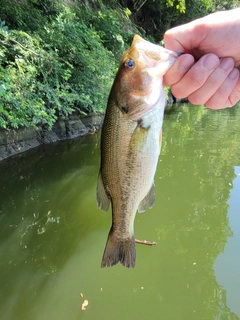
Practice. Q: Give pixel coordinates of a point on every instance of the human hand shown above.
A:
(214, 78)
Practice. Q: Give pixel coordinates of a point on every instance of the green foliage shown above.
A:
(65, 66)
(28, 15)
(182, 11)
(155, 17)
(180, 5)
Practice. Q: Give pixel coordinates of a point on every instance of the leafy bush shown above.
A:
(64, 66)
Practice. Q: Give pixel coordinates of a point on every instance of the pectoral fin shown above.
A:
(103, 200)
(148, 201)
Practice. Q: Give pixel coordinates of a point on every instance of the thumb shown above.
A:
(180, 39)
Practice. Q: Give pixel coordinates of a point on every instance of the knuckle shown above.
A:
(194, 99)
(217, 102)
(179, 92)
(197, 79)
(212, 105)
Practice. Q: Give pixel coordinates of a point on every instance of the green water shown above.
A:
(52, 234)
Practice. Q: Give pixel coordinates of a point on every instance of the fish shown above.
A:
(131, 139)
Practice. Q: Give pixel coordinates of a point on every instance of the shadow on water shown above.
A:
(52, 234)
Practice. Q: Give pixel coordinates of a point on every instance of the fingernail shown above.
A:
(210, 61)
(227, 63)
(234, 74)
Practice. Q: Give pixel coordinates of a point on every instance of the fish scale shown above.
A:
(131, 143)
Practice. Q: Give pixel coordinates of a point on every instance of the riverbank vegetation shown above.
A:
(59, 57)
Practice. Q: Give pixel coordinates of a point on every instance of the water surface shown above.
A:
(52, 234)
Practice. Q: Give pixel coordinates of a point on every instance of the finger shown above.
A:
(180, 38)
(171, 43)
(196, 76)
(178, 70)
(235, 95)
(217, 86)
(220, 99)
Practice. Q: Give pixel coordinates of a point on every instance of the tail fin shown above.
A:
(119, 250)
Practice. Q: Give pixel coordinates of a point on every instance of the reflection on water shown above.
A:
(52, 234)
(227, 266)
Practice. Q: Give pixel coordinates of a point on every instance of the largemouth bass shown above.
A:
(130, 144)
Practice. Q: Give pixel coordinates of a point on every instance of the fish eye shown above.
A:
(129, 64)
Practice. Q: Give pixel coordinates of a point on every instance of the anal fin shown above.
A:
(148, 201)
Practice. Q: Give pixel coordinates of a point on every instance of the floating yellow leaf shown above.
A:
(84, 305)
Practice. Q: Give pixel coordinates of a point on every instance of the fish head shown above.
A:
(149, 55)
(138, 83)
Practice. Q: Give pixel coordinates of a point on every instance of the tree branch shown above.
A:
(148, 243)
(24, 48)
